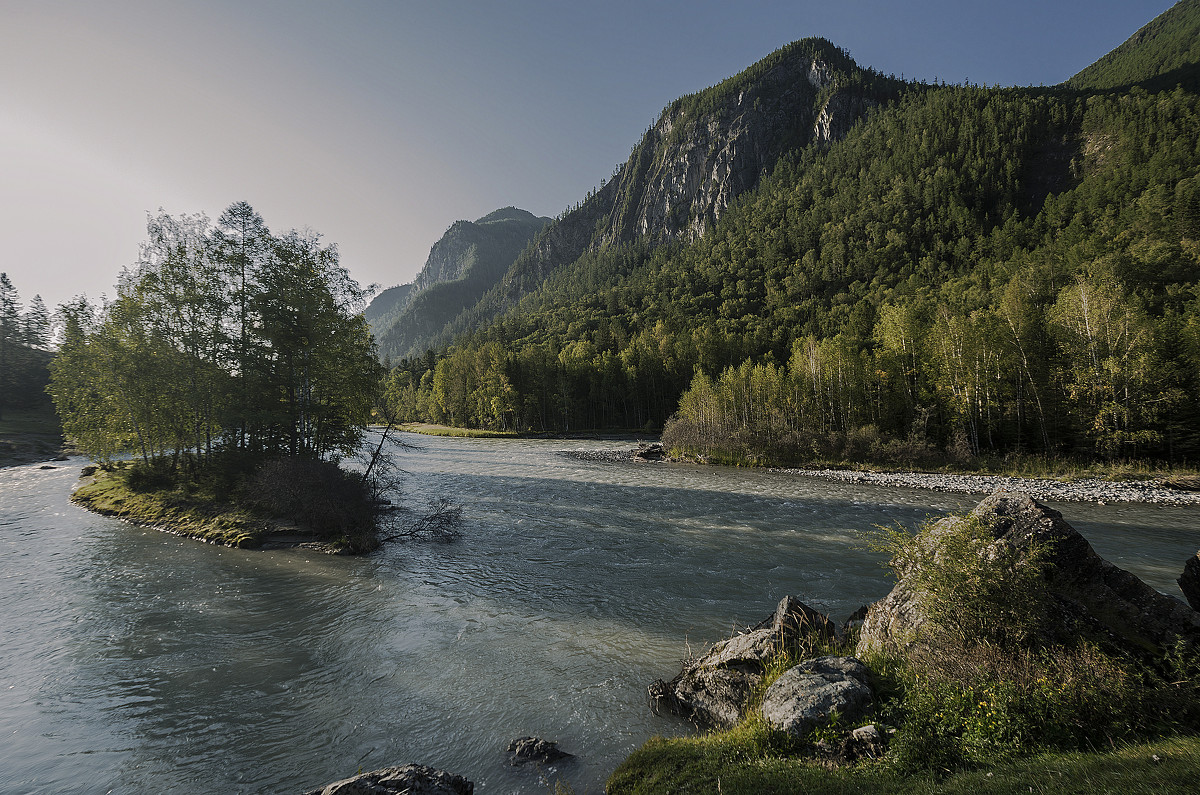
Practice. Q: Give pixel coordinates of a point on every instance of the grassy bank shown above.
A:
(733, 763)
(431, 429)
(195, 515)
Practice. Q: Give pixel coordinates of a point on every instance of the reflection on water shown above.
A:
(134, 661)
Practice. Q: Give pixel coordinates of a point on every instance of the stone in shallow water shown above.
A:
(536, 750)
(806, 696)
(406, 780)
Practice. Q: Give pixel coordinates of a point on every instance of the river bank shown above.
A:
(28, 436)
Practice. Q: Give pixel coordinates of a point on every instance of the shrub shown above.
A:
(319, 496)
(154, 475)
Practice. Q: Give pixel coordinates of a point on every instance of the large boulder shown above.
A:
(406, 780)
(1084, 596)
(1189, 581)
(713, 689)
(806, 695)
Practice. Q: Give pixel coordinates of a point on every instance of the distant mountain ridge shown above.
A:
(467, 260)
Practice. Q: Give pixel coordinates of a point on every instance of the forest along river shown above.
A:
(135, 661)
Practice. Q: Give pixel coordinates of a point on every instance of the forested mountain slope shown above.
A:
(1161, 55)
(470, 258)
(967, 271)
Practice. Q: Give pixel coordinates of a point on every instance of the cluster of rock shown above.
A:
(1085, 596)
(1158, 492)
(423, 780)
(406, 780)
(647, 451)
(715, 689)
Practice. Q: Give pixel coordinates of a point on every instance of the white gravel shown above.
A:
(1082, 490)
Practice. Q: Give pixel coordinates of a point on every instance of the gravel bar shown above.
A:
(1082, 490)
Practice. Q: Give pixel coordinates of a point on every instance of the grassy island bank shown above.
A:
(279, 503)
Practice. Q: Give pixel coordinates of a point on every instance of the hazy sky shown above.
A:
(380, 123)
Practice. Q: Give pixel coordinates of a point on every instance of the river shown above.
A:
(133, 661)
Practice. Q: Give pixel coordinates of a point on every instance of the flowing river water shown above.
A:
(133, 661)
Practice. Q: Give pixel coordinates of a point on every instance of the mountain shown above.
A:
(468, 259)
(704, 151)
(948, 272)
(1159, 56)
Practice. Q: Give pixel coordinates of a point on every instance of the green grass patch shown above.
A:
(429, 429)
(195, 515)
(739, 762)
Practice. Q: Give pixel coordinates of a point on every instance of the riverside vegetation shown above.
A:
(989, 678)
(235, 365)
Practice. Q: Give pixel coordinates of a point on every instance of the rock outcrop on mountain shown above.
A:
(704, 151)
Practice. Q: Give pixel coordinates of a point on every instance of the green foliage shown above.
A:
(221, 337)
(318, 496)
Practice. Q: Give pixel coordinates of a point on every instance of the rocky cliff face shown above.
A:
(704, 151)
(709, 148)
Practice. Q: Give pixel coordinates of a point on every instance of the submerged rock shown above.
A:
(406, 780)
(536, 750)
(806, 695)
(713, 689)
(1085, 595)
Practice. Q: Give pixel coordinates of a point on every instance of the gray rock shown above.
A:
(807, 695)
(1087, 597)
(1189, 581)
(536, 750)
(649, 452)
(406, 780)
(865, 742)
(713, 689)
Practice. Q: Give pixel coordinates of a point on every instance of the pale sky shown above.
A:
(381, 123)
